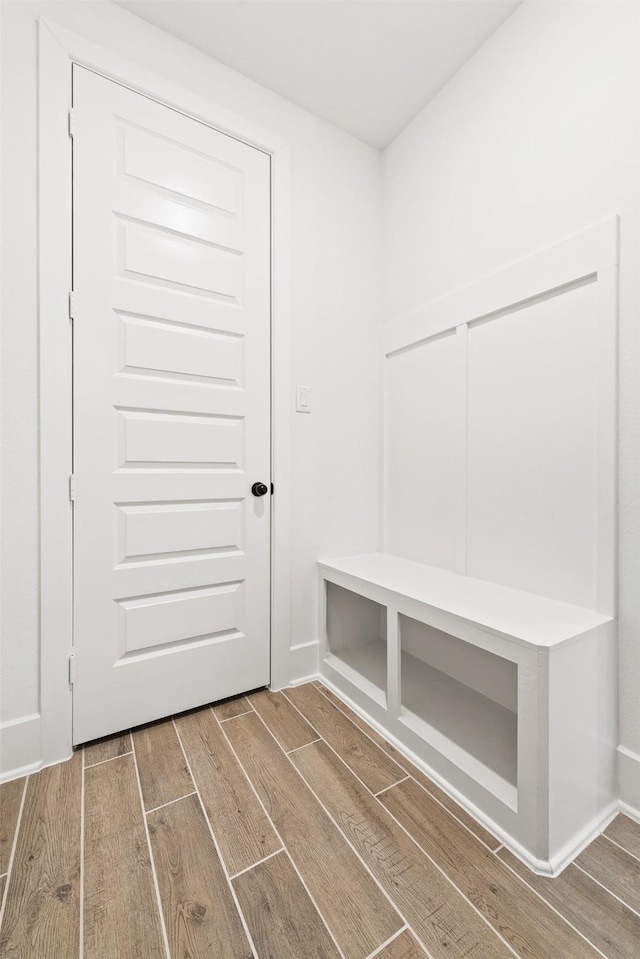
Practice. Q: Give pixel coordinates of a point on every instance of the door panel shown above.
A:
(171, 411)
(159, 162)
(167, 350)
(156, 256)
(168, 528)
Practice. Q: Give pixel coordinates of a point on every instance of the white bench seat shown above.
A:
(523, 617)
(505, 698)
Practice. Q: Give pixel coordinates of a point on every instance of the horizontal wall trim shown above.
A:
(20, 750)
(575, 261)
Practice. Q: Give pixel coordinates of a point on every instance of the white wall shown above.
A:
(536, 138)
(336, 311)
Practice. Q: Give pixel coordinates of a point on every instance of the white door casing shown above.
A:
(171, 410)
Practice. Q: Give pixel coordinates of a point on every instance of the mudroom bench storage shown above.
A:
(502, 696)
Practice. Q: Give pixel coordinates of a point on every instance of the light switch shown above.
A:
(303, 399)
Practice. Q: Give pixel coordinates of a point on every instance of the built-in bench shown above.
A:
(505, 698)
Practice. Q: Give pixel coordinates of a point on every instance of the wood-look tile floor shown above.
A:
(281, 826)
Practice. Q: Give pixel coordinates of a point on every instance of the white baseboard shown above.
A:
(629, 781)
(303, 662)
(20, 751)
(630, 811)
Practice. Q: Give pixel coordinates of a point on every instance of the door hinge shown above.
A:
(72, 306)
(72, 123)
(72, 669)
(72, 487)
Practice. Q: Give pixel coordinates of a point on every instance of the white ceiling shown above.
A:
(367, 66)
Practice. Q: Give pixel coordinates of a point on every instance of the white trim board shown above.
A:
(573, 260)
(19, 747)
(58, 49)
(629, 781)
(304, 662)
(589, 258)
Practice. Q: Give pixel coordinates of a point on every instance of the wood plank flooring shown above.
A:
(244, 832)
(283, 720)
(109, 748)
(614, 868)
(280, 914)
(164, 776)
(476, 828)
(354, 908)
(610, 925)
(118, 877)
(281, 826)
(625, 833)
(10, 803)
(403, 946)
(42, 896)
(197, 903)
(372, 766)
(514, 911)
(443, 920)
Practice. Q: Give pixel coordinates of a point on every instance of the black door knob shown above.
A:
(259, 489)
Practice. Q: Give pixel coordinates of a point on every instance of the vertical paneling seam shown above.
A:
(607, 415)
(462, 429)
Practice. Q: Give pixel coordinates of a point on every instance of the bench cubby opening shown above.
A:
(463, 700)
(357, 639)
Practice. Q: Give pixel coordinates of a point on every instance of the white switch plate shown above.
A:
(303, 399)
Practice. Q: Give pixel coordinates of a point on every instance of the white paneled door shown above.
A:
(171, 238)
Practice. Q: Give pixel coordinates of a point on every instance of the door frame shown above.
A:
(58, 50)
